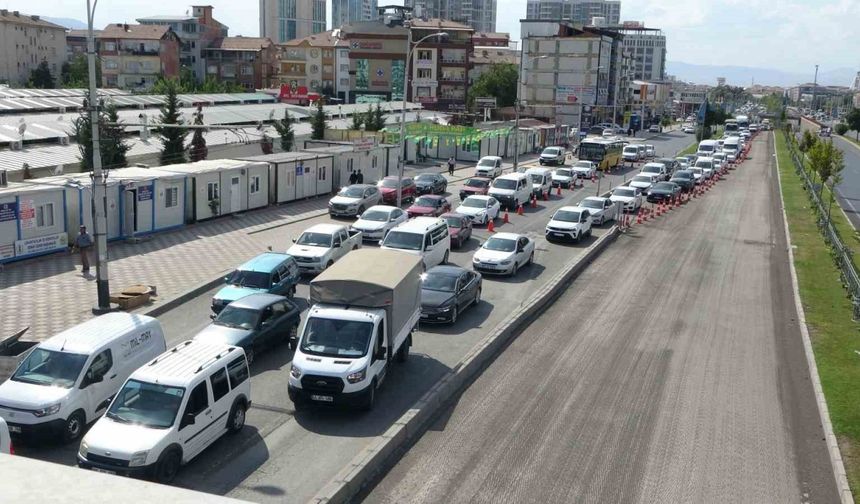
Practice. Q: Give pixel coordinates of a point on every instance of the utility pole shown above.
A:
(99, 191)
(517, 108)
(814, 89)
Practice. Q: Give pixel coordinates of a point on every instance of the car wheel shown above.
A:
(329, 264)
(602, 220)
(454, 315)
(371, 397)
(249, 354)
(515, 268)
(531, 259)
(168, 466)
(237, 418)
(477, 299)
(360, 210)
(403, 352)
(292, 292)
(74, 427)
(445, 258)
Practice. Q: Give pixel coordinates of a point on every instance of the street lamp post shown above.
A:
(401, 162)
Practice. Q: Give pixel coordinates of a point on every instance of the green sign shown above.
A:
(362, 74)
(397, 74)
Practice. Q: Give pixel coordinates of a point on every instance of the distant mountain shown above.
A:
(744, 76)
(72, 24)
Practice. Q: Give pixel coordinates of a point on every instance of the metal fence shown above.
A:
(841, 254)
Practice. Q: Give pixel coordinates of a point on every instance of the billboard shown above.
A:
(584, 95)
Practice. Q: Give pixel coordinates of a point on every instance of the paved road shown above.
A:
(672, 370)
(848, 191)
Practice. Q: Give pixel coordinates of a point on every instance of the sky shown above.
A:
(789, 35)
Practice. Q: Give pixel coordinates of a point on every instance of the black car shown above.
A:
(448, 290)
(670, 164)
(431, 183)
(685, 179)
(663, 191)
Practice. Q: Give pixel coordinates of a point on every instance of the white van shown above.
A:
(541, 179)
(169, 411)
(631, 153)
(706, 148)
(67, 381)
(424, 236)
(731, 147)
(512, 190)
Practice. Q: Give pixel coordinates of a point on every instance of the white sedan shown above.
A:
(601, 209)
(564, 177)
(628, 198)
(584, 169)
(378, 220)
(504, 254)
(481, 209)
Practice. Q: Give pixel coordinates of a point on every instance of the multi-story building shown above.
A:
(285, 20)
(135, 56)
(648, 49)
(372, 64)
(196, 32)
(439, 66)
(76, 43)
(348, 11)
(687, 98)
(576, 11)
(484, 39)
(484, 57)
(248, 61)
(310, 62)
(478, 14)
(27, 41)
(651, 100)
(571, 74)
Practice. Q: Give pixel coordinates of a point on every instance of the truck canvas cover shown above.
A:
(373, 278)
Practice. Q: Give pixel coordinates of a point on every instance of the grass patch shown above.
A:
(828, 315)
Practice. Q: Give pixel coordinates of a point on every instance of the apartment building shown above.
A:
(347, 11)
(480, 15)
(371, 64)
(439, 67)
(576, 11)
(27, 40)
(310, 63)
(248, 61)
(285, 20)
(76, 43)
(648, 49)
(135, 56)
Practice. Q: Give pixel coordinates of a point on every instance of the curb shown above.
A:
(832, 445)
(371, 461)
(181, 299)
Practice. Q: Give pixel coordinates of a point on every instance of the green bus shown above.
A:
(603, 152)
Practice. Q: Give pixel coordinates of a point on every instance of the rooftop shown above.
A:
(324, 39)
(442, 24)
(7, 16)
(81, 33)
(136, 32)
(241, 43)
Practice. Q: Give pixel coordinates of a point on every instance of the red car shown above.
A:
(459, 227)
(388, 188)
(475, 186)
(429, 205)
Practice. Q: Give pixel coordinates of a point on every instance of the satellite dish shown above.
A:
(22, 128)
(272, 115)
(60, 119)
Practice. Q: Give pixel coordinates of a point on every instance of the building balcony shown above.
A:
(454, 80)
(453, 62)
(138, 52)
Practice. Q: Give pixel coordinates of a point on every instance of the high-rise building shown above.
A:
(348, 11)
(283, 20)
(647, 47)
(27, 41)
(576, 11)
(478, 14)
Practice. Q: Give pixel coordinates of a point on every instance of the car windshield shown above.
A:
(563, 173)
(336, 338)
(148, 404)
(239, 318)
(706, 148)
(389, 183)
(631, 150)
(48, 367)
(551, 151)
(501, 244)
(703, 164)
(315, 239)
(663, 186)
(537, 179)
(474, 203)
(375, 215)
(477, 183)
(453, 222)
(401, 240)
(439, 282)
(505, 184)
(425, 177)
(684, 174)
(588, 203)
(487, 162)
(566, 216)
(651, 169)
(253, 279)
(642, 178)
(426, 202)
(624, 192)
(582, 164)
(352, 192)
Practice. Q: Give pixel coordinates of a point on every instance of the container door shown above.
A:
(309, 179)
(300, 180)
(113, 217)
(235, 195)
(129, 225)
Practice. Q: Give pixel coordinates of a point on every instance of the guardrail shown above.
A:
(842, 255)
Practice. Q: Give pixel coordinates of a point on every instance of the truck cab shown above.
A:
(320, 246)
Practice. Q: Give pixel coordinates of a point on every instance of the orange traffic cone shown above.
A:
(534, 200)
(594, 177)
(558, 191)
(520, 209)
(639, 216)
(545, 195)
(491, 227)
(506, 219)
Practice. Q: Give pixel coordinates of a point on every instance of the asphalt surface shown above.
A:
(287, 456)
(848, 191)
(672, 370)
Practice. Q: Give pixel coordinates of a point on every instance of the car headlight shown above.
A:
(138, 458)
(47, 410)
(84, 449)
(357, 376)
(475, 260)
(505, 263)
(295, 372)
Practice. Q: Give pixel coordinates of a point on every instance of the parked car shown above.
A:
(569, 223)
(268, 272)
(643, 182)
(322, 245)
(681, 163)
(378, 220)
(657, 170)
(459, 227)
(685, 179)
(512, 190)
(563, 177)
(504, 253)
(721, 161)
(708, 167)
(655, 128)
(388, 188)
(601, 209)
(663, 191)
(446, 291)
(553, 156)
(255, 322)
(584, 169)
(354, 200)
(670, 164)
(481, 209)
(631, 153)
(650, 151)
(427, 237)
(489, 166)
(429, 205)
(431, 183)
(628, 198)
(689, 130)
(475, 186)
(541, 181)
(698, 175)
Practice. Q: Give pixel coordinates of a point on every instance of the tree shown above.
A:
(853, 121)
(284, 128)
(112, 143)
(172, 138)
(198, 150)
(807, 142)
(357, 120)
(499, 81)
(378, 118)
(318, 122)
(841, 128)
(41, 77)
(826, 160)
(75, 74)
(370, 120)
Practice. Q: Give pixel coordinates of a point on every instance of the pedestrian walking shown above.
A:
(360, 177)
(352, 177)
(84, 242)
(451, 164)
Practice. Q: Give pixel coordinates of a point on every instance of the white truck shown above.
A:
(322, 245)
(363, 312)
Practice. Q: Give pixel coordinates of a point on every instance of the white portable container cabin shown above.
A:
(222, 187)
(295, 175)
(374, 161)
(32, 220)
